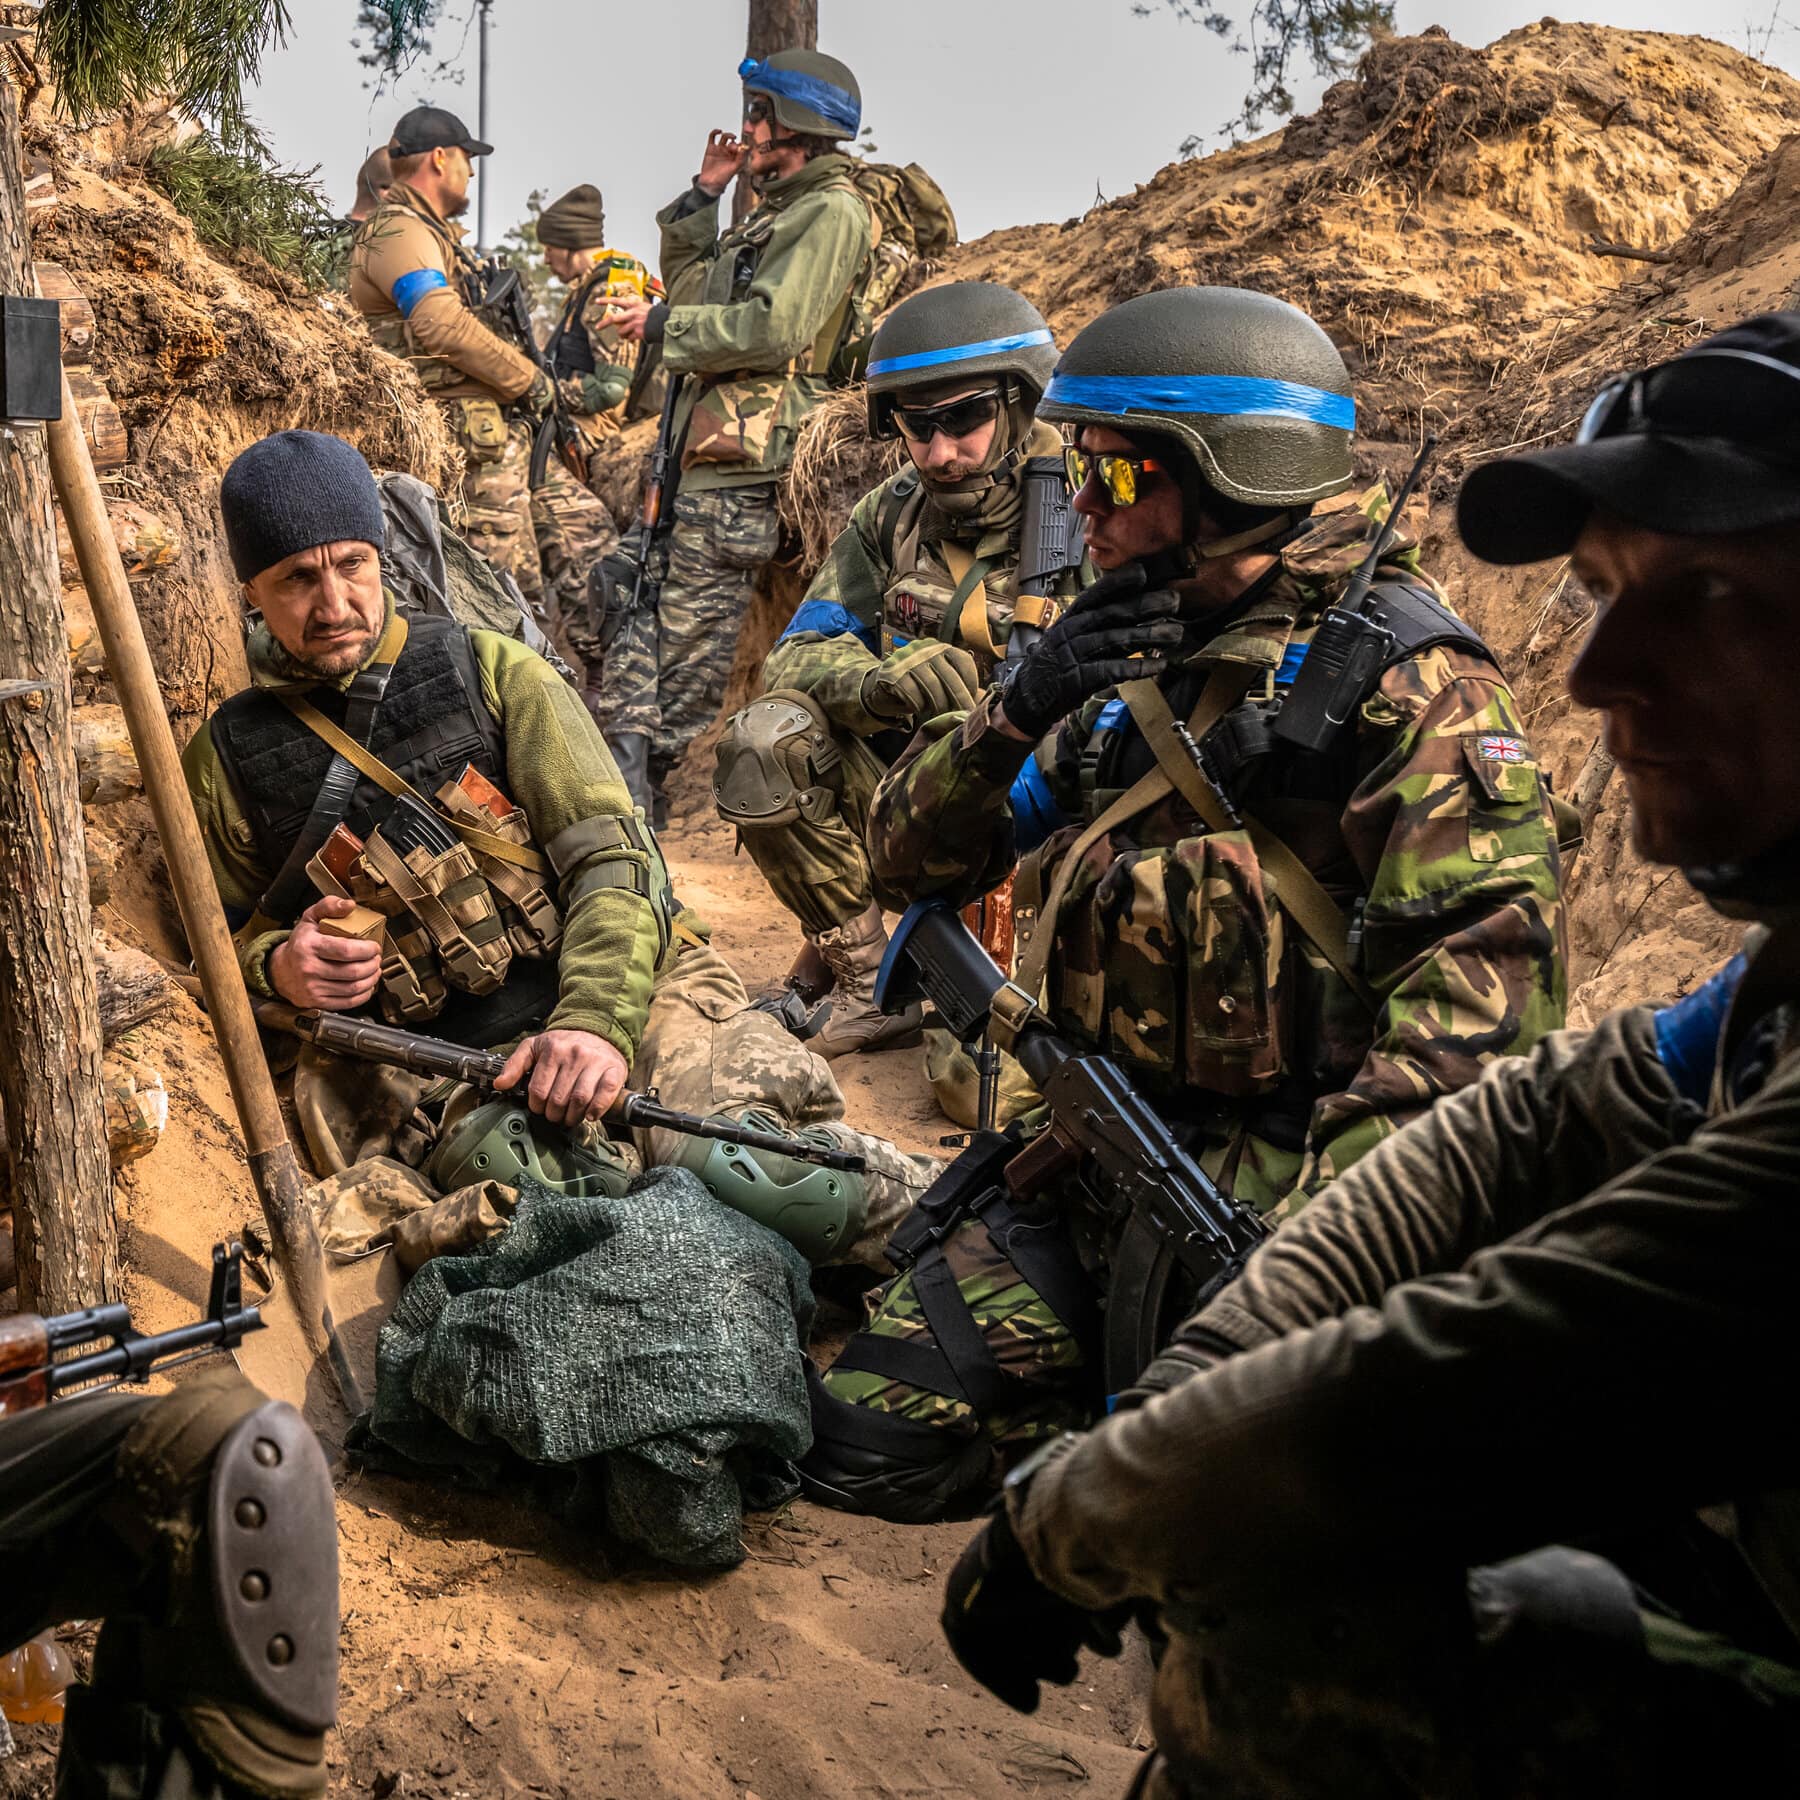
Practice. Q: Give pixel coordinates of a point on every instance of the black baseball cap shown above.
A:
(432, 128)
(1705, 444)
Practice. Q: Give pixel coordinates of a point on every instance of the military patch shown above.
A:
(1496, 748)
(905, 614)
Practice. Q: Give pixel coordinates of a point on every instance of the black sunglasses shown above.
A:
(954, 418)
(1736, 394)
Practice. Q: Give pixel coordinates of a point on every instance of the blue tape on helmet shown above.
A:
(1687, 1033)
(825, 98)
(1226, 396)
(414, 285)
(829, 619)
(1035, 812)
(929, 359)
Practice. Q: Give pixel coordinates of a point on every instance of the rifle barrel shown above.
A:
(647, 1114)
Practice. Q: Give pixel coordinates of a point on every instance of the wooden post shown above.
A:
(68, 1248)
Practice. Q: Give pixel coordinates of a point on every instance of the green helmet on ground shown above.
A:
(957, 334)
(808, 92)
(500, 1140)
(1248, 384)
(819, 1211)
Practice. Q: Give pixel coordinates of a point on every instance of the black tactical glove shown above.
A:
(1090, 648)
(1008, 1630)
(919, 681)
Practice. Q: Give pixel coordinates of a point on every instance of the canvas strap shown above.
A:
(487, 842)
(969, 604)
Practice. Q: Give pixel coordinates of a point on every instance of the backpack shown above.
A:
(913, 222)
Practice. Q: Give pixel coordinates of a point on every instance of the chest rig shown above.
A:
(332, 786)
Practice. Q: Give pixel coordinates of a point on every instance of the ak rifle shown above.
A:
(34, 1366)
(1181, 1239)
(506, 300)
(641, 561)
(370, 1041)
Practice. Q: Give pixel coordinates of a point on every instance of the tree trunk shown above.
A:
(776, 25)
(61, 1186)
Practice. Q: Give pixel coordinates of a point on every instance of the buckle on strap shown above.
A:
(1010, 1011)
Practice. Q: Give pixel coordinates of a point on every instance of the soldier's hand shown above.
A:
(627, 316)
(539, 397)
(313, 968)
(919, 681)
(1008, 1630)
(722, 162)
(575, 1075)
(1115, 632)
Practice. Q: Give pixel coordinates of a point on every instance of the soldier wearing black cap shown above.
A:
(417, 287)
(1556, 1311)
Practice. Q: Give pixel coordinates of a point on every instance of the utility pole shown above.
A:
(481, 131)
(68, 1247)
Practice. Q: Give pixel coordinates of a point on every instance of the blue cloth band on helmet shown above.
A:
(413, 286)
(928, 359)
(829, 619)
(825, 98)
(1687, 1033)
(1034, 809)
(1227, 396)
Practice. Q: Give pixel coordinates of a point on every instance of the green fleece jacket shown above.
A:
(558, 769)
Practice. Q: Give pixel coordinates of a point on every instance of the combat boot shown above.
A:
(631, 751)
(854, 952)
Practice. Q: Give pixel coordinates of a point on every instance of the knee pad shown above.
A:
(272, 1544)
(819, 1211)
(776, 763)
(1554, 1595)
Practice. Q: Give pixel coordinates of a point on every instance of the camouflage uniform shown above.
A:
(574, 527)
(885, 584)
(416, 287)
(1171, 953)
(755, 315)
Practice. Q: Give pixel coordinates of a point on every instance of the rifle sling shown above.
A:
(489, 843)
(966, 617)
(286, 895)
(1297, 890)
(1224, 688)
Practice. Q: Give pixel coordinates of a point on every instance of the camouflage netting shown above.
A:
(643, 1353)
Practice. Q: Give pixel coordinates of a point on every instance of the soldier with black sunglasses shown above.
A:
(914, 607)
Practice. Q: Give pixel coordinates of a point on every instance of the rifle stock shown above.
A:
(1179, 1229)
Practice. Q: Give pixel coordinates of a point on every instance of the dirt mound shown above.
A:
(1433, 214)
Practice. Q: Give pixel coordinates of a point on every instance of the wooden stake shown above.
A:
(279, 1183)
(68, 1249)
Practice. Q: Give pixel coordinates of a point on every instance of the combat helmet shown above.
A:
(808, 92)
(1248, 384)
(499, 1140)
(957, 333)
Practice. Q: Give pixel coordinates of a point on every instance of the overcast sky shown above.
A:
(1024, 110)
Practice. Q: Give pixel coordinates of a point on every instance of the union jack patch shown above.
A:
(1500, 749)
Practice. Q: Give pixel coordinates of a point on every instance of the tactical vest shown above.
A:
(456, 924)
(924, 600)
(1174, 951)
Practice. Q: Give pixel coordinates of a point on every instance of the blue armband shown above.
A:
(413, 286)
(1687, 1033)
(829, 619)
(1035, 812)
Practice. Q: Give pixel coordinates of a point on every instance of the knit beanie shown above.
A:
(293, 491)
(575, 222)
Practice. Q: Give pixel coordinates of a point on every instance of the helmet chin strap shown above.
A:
(1282, 523)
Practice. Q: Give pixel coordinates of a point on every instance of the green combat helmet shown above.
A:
(1250, 385)
(500, 1140)
(808, 92)
(819, 1211)
(967, 334)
